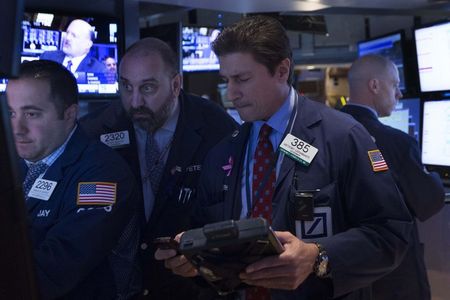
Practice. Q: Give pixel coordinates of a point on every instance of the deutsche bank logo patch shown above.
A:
(320, 227)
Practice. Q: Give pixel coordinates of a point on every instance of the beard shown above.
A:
(150, 120)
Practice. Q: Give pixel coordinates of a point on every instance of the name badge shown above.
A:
(298, 149)
(42, 189)
(116, 139)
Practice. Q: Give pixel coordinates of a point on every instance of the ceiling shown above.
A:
(392, 7)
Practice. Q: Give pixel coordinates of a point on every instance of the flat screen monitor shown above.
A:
(433, 57)
(390, 46)
(45, 37)
(196, 49)
(405, 117)
(436, 133)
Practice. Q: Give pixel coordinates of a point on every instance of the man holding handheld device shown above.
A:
(337, 214)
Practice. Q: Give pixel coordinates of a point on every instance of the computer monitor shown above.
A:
(18, 279)
(196, 49)
(433, 57)
(405, 117)
(436, 135)
(44, 35)
(390, 46)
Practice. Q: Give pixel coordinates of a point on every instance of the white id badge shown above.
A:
(116, 139)
(42, 189)
(298, 149)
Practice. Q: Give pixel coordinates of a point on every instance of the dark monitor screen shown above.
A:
(405, 117)
(433, 57)
(436, 133)
(389, 46)
(196, 49)
(44, 37)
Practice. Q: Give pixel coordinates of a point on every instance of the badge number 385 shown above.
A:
(298, 149)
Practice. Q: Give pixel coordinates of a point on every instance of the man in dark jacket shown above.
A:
(164, 134)
(80, 195)
(374, 92)
(313, 172)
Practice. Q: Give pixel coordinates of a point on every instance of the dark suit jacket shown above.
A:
(73, 243)
(88, 65)
(370, 223)
(423, 193)
(200, 126)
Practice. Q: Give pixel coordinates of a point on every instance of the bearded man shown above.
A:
(164, 135)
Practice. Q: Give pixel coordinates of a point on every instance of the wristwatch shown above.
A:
(321, 266)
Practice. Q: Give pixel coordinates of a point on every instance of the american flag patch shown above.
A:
(96, 193)
(377, 161)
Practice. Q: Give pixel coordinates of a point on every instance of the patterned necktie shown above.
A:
(263, 186)
(154, 161)
(33, 173)
(69, 65)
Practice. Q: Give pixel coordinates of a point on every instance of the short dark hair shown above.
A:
(263, 37)
(63, 85)
(153, 45)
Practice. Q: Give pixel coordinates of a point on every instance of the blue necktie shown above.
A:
(33, 173)
(154, 161)
(69, 65)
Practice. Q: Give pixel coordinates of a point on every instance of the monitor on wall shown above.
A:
(405, 117)
(436, 135)
(433, 57)
(197, 54)
(44, 37)
(390, 46)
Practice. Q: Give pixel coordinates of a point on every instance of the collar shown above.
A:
(76, 61)
(374, 112)
(278, 121)
(52, 157)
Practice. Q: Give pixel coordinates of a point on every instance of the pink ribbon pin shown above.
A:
(227, 168)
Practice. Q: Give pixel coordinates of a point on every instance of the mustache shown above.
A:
(140, 110)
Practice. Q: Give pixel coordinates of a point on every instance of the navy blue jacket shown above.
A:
(89, 64)
(423, 193)
(369, 224)
(201, 125)
(73, 244)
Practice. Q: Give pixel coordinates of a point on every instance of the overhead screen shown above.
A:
(196, 49)
(44, 37)
(433, 57)
(436, 133)
(405, 117)
(389, 46)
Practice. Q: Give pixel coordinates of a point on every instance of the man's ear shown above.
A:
(374, 85)
(283, 69)
(71, 113)
(177, 81)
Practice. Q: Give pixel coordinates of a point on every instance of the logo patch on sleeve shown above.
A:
(96, 193)
(377, 161)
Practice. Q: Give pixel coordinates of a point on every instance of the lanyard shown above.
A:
(249, 199)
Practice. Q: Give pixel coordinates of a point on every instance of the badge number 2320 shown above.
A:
(298, 149)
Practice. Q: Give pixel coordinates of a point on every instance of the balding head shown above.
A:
(373, 81)
(151, 46)
(79, 38)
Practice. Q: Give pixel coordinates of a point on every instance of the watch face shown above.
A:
(322, 269)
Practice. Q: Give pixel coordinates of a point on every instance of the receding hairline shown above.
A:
(369, 66)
